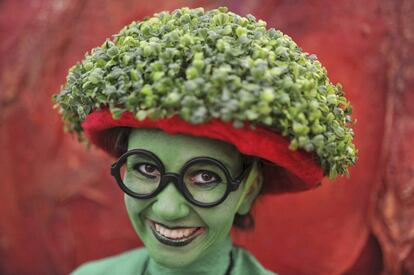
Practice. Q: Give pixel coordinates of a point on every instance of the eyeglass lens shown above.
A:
(204, 179)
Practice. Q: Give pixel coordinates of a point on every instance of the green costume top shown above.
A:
(137, 261)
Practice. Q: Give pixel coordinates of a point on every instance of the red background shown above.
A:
(59, 207)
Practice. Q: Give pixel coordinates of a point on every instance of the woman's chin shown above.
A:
(172, 249)
(173, 260)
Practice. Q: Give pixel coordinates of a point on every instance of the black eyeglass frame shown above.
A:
(176, 178)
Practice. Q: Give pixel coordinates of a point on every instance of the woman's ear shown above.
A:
(251, 188)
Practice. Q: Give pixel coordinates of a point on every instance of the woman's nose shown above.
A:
(170, 204)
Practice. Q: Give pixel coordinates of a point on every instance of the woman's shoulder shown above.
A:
(246, 264)
(129, 262)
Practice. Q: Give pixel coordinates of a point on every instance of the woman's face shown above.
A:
(169, 216)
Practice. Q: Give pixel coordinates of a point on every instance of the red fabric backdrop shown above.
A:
(59, 206)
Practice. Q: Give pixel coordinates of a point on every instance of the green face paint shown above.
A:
(170, 214)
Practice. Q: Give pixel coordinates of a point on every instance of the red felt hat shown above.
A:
(284, 170)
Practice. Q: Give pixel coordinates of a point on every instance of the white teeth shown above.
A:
(174, 233)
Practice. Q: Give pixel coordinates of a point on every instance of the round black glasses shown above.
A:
(203, 181)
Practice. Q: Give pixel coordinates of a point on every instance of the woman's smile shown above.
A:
(174, 235)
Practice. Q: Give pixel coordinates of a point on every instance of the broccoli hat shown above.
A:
(219, 75)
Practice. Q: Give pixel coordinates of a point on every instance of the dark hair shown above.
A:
(116, 142)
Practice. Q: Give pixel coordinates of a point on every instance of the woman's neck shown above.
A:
(215, 262)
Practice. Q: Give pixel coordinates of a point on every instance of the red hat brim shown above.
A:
(284, 170)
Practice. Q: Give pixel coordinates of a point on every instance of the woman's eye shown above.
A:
(147, 170)
(205, 178)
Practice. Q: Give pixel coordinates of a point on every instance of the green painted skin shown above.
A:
(209, 252)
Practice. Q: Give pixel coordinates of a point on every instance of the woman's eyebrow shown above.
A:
(226, 163)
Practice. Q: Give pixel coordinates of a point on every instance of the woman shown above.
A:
(204, 111)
